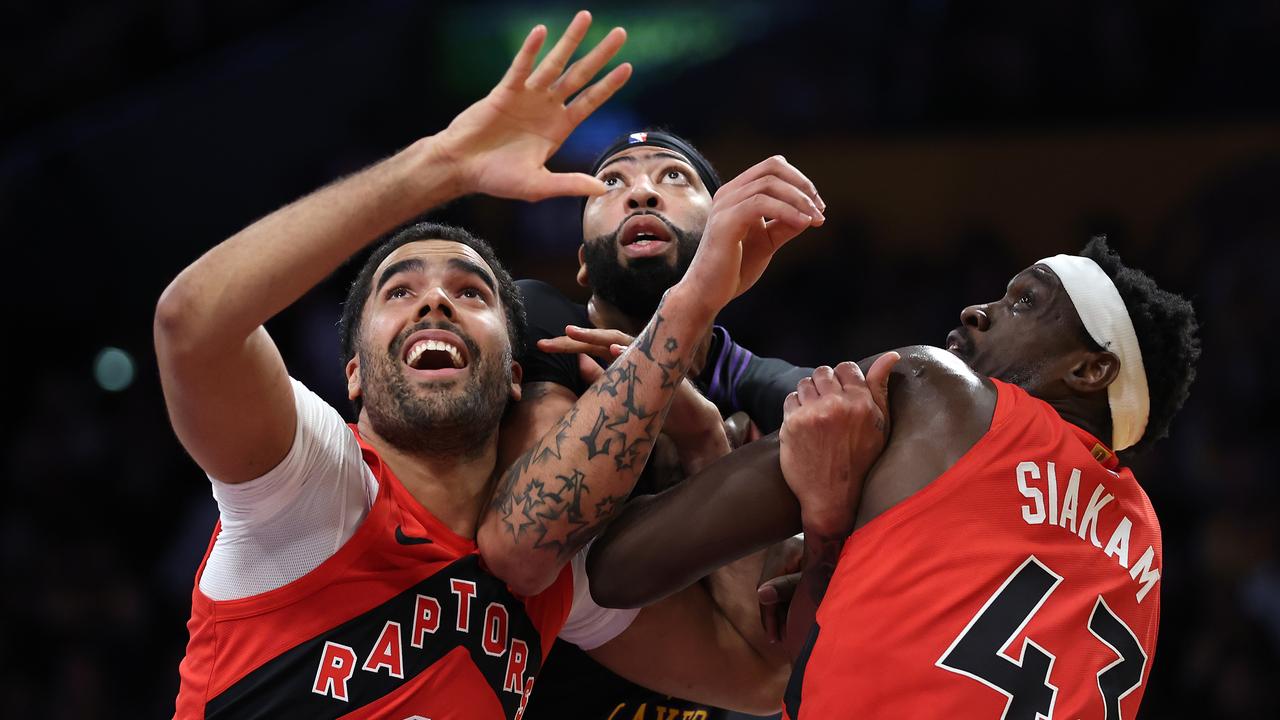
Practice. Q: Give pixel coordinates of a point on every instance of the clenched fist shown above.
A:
(834, 427)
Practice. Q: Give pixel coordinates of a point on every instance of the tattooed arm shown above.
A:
(560, 493)
(694, 426)
(757, 495)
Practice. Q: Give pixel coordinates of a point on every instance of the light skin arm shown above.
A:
(224, 381)
(225, 384)
(686, 646)
(560, 494)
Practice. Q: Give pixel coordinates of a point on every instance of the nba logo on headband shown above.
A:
(659, 138)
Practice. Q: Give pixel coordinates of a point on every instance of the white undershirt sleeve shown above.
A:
(589, 626)
(281, 526)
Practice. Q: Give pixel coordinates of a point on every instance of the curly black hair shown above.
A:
(358, 294)
(1167, 336)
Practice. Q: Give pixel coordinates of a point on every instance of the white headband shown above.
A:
(1107, 320)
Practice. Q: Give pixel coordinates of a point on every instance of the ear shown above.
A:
(517, 374)
(353, 378)
(1094, 372)
(583, 280)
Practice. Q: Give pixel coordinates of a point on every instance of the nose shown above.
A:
(975, 316)
(643, 195)
(436, 301)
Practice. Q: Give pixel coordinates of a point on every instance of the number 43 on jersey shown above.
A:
(978, 652)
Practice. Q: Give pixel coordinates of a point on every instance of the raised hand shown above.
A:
(500, 145)
(752, 216)
(834, 427)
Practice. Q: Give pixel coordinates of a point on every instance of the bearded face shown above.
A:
(447, 418)
(635, 284)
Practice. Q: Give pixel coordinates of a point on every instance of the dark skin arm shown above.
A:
(742, 503)
(662, 543)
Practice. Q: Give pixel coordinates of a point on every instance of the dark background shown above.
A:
(955, 143)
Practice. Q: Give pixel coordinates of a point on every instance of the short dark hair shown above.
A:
(1167, 336)
(358, 294)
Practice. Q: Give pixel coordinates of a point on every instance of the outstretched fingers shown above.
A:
(602, 343)
(598, 336)
(589, 100)
(553, 64)
(551, 184)
(565, 346)
(776, 186)
(586, 68)
(778, 166)
(762, 205)
(522, 64)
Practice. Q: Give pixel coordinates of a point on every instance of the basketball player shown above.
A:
(1003, 563)
(638, 239)
(349, 574)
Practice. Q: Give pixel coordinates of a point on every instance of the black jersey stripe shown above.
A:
(791, 698)
(282, 686)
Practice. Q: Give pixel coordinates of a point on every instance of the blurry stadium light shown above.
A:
(113, 369)
(662, 39)
(659, 36)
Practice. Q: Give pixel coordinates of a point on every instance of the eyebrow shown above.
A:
(407, 265)
(1035, 272)
(650, 156)
(416, 265)
(1044, 276)
(474, 269)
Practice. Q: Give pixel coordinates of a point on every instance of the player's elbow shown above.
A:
(522, 581)
(174, 323)
(525, 571)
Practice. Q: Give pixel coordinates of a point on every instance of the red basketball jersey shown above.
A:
(402, 622)
(1022, 583)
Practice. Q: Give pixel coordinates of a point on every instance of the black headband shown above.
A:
(658, 138)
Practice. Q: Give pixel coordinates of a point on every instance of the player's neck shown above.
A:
(453, 488)
(1092, 415)
(604, 314)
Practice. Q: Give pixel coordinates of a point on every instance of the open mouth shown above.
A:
(644, 236)
(435, 350)
(957, 343)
